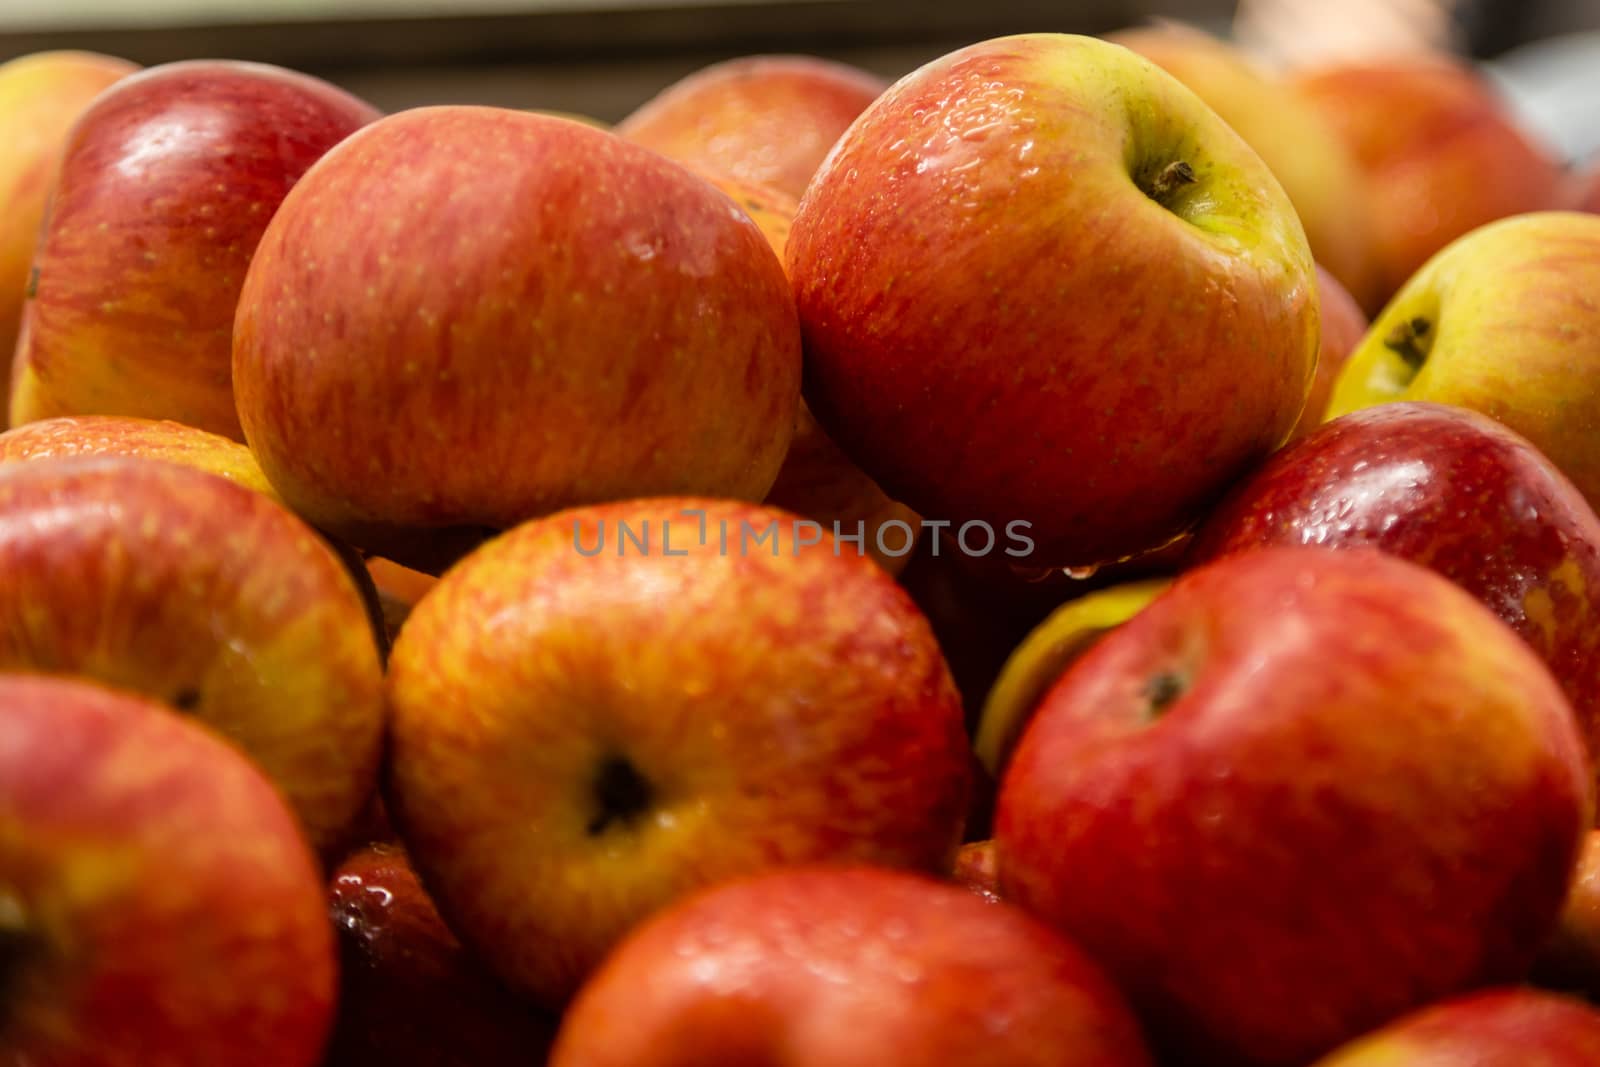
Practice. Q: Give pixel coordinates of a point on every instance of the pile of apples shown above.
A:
(822, 573)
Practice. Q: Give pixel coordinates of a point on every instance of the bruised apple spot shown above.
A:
(621, 795)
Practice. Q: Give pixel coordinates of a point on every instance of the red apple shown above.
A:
(586, 725)
(1041, 283)
(41, 96)
(769, 120)
(1442, 153)
(409, 994)
(166, 185)
(1494, 1028)
(1572, 958)
(847, 967)
(1299, 794)
(157, 903)
(978, 869)
(127, 435)
(187, 588)
(1343, 325)
(1454, 491)
(465, 317)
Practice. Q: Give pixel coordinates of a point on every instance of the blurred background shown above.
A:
(604, 57)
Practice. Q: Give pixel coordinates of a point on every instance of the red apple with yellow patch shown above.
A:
(41, 96)
(466, 317)
(1041, 283)
(1300, 793)
(166, 184)
(1441, 151)
(765, 120)
(130, 436)
(606, 708)
(157, 902)
(1494, 1028)
(1572, 958)
(847, 967)
(187, 588)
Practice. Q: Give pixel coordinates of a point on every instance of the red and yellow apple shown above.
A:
(409, 994)
(41, 96)
(1503, 321)
(184, 587)
(1493, 1028)
(1571, 959)
(1300, 793)
(1324, 183)
(165, 187)
(1041, 283)
(606, 708)
(977, 868)
(847, 967)
(1442, 155)
(131, 436)
(1454, 491)
(465, 317)
(767, 120)
(157, 902)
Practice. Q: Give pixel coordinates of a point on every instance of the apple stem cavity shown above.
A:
(1164, 186)
(1162, 691)
(187, 699)
(1410, 340)
(621, 795)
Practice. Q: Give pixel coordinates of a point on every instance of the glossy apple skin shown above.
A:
(1513, 331)
(1317, 171)
(847, 967)
(1366, 794)
(41, 95)
(978, 869)
(162, 905)
(1571, 960)
(1344, 325)
(1494, 1028)
(767, 120)
(1456, 492)
(817, 479)
(165, 187)
(973, 259)
(1441, 152)
(189, 589)
(128, 435)
(466, 317)
(409, 994)
(799, 712)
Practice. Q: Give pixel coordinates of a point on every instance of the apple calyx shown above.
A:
(1410, 340)
(621, 795)
(1167, 182)
(1161, 692)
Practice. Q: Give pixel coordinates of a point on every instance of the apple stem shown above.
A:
(1169, 179)
(1408, 341)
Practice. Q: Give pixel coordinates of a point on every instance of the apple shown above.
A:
(1324, 183)
(1571, 960)
(166, 184)
(41, 95)
(1502, 321)
(605, 708)
(766, 120)
(1442, 153)
(1300, 793)
(1456, 492)
(409, 994)
(1492, 1028)
(465, 317)
(1344, 325)
(157, 902)
(184, 587)
(846, 967)
(128, 435)
(398, 589)
(1041, 283)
